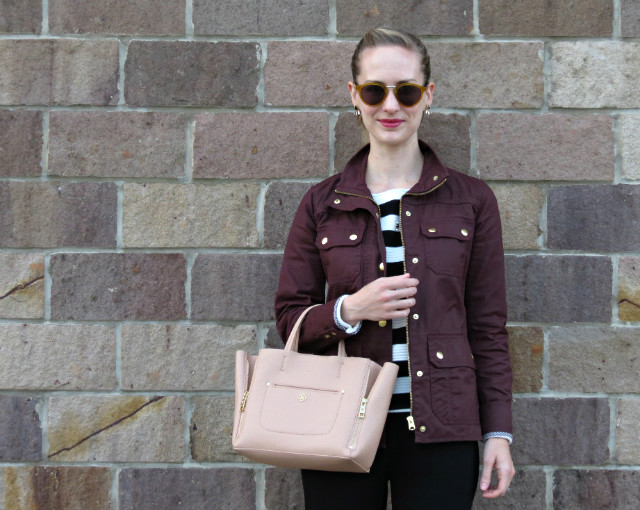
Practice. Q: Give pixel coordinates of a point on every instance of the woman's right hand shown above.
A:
(383, 299)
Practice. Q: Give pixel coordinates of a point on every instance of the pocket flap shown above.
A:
(459, 228)
(339, 236)
(447, 351)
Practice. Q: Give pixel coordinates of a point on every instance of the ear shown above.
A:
(429, 92)
(354, 93)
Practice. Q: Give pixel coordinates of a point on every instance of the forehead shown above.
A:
(390, 64)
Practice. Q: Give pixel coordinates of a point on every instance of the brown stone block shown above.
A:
(117, 286)
(239, 286)
(186, 488)
(600, 489)
(592, 360)
(599, 74)
(628, 431)
(562, 431)
(141, 17)
(629, 288)
(545, 147)
(320, 71)
(172, 215)
(283, 489)
(526, 346)
(580, 218)
(559, 288)
(181, 73)
(55, 487)
(527, 492)
(211, 430)
(454, 17)
(21, 285)
(95, 428)
(57, 356)
(20, 432)
(20, 143)
(520, 209)
(350, 137)
(179, 357)
(48, 214)
(23, 16)
(630, 18)
(281, 203)
(116, 144)
(270, 17)
(59, 72)
(542, 18)
(629, 147)
(250, 145)
(487, 74)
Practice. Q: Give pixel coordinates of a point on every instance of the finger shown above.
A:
(485, 479)
(401, 281)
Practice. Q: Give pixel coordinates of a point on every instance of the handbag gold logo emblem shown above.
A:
(302, 397)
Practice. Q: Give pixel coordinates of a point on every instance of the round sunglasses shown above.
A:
(407, 94)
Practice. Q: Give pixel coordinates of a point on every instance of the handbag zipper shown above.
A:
(245, 395)
(362, 412)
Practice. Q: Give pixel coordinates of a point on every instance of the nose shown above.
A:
(390, 103)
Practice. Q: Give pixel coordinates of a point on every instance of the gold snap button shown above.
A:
(464, 232)
(353, 237)
(381, 266)
(408, 213)
(333, 333)
(382, 324)
(423, 428)
(414, 260)
(324, 240)
(416, 316)
(419, 373)
(432, 230)
(435, 177)
(439, 355)
(327, 336)
(336, 201)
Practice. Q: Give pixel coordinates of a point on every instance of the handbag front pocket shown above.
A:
(298, 410)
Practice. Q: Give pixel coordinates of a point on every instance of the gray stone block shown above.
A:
(629, 147)
(211, 430)
(24, 16)
(600, 489)
(281, 203)
(630, 18)
(20, 432)
(283, 489)
(20, 143)
(627, 431)
(526, 492)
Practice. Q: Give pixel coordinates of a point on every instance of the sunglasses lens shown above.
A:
(372, 94)
(408, 95)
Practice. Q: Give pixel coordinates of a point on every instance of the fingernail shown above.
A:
(483, 486)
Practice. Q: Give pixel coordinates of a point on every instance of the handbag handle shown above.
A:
(294, 336)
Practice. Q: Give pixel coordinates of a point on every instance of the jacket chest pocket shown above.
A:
(341, 252)
(453, 379)
(447, 244)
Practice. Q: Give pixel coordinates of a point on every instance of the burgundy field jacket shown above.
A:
(458, 345)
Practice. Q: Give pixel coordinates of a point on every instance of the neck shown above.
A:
(397, 166)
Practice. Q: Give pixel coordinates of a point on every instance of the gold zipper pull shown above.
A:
(412, 424)
(243, 402)
(363, 408)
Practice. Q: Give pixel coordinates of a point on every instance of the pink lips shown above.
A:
(390, 123)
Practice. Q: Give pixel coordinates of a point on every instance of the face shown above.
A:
(391, 123)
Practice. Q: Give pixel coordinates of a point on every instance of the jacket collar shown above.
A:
(352, 179)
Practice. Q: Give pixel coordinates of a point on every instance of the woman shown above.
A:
(410, 254)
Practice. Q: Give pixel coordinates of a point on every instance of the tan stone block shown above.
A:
(179, 357)
(53, 487)
(588, 74)
(92, 428)
(594, 359)
(50, 356)
(520, 209)
(21, 285)
(630, 146)
(545, 147)
(59, 71)
(629, 288)
(116, 144)
(487, 74)
(211, 430)
(628, 431)
(190, 215)
(526, 346)
(310, 73)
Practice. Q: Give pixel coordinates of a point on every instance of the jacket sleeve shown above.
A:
(302, 284)
(485, 301)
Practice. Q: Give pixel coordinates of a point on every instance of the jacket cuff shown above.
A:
(504, 435)
(337, 317)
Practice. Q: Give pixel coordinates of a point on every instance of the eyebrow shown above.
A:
(410, 80)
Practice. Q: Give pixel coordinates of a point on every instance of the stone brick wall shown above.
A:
(128, 129)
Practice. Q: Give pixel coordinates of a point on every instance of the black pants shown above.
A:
(435, 476)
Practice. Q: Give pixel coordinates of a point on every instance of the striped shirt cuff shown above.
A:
(347, 328)
(504, 435)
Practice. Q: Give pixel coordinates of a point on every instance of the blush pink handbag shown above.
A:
(310, 411)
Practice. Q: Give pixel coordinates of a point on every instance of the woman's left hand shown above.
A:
(496, 455)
